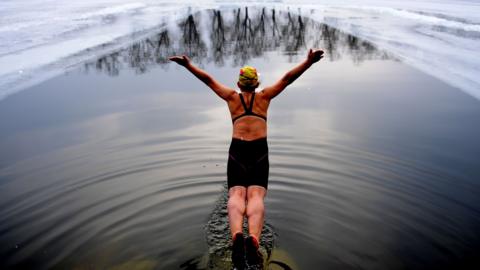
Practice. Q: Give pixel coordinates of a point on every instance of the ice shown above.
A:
(43, 38)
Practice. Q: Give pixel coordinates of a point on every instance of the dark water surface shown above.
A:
(121, 163)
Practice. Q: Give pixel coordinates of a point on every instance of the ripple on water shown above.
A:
(330, 195)
(119, 194)
(325, 195)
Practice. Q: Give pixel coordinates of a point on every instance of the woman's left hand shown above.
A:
(181, 60)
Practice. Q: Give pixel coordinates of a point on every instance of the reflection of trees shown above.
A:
(142, 54)
(337, 43)
(219, 44)
(276, 36)
(109, 64)
(361, 50)
(253, 35)
(331, 37)
(294, 35)
(138, 56)
(248, 34)
(244, 37)
(191, 43)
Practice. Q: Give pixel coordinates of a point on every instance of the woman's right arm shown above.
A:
(221, 90)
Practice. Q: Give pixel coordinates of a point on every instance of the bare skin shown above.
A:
(248, 201)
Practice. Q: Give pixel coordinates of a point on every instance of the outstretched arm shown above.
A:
(221, 90)
(312, 57)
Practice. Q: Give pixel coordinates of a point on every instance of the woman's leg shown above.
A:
(236, 208)
(255, 210)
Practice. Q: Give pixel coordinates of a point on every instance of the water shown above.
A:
(121, 162)
(39, 39)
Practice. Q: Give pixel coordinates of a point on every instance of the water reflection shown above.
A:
(191, 41)
(366, 173)
(217, 36)
(237, 35)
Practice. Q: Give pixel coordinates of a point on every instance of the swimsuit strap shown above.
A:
(248, 111)
(251, 102)
(243, 102)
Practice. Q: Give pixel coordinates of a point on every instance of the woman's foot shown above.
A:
(238, 252)
(254, 257)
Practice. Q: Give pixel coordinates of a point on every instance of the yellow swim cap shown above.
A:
(248, 76)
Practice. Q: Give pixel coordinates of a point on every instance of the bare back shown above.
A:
(249, 127)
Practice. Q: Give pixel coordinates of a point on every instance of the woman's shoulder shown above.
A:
(260, 92)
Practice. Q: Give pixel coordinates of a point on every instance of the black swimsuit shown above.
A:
(248, 160)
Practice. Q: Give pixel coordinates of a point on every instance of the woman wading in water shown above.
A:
(247, 168)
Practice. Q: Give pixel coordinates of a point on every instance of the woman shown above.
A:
(247, 169)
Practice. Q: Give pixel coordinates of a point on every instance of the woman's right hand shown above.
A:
(181, 60)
